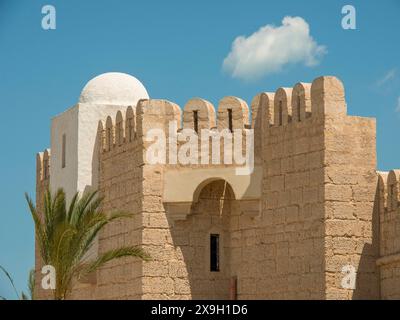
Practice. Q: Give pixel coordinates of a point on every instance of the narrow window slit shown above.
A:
(196, 121)
(214, 252)
(230, 119)
(63, 151)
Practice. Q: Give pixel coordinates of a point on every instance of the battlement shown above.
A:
(388, 204)
(43, 166)
(115, 132)
(324, 96)
(389, 190)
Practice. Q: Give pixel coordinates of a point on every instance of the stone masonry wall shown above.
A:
(121, 185)
(319, 191)
(351, 225)
(293, 204)
(165, 277)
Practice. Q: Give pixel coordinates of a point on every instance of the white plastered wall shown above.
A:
(79, 124)
(66, 178)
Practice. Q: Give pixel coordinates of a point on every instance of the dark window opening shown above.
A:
(196, 121)
(298, 108)
(230, 118)
(280, 113)
(63, 151)
(214, 252)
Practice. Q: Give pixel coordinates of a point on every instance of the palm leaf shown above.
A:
(72, 206)
(24, 296)
(40, 234)
(115, 254)
(65, 236)
(82, 206)
(31, 283)
(10, 279)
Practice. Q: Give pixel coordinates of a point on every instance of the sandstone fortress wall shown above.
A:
(313, 205)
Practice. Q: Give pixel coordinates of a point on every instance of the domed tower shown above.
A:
(74, 162)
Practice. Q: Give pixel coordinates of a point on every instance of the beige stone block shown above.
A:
(182, 286)
(158, 285)
(310, 194)
(338, 192)
(155, 268)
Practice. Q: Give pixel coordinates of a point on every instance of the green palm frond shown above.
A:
(31, 283)
(72, 206)
(39, 230)
(24, 296)
(10, 279)
(115, 254)
(65, 236)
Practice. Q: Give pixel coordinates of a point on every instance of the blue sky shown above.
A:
(177, 49)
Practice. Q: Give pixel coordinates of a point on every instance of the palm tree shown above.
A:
(64, 237)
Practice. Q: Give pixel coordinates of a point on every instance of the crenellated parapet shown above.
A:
(389, 192)
(43, 166)
(203, 110)
(389, 212)
(388, 205)
(116, 131)
(322, 98)
(393, 190)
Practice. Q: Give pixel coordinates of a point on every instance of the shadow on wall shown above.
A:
(368, 279)
(205, 240)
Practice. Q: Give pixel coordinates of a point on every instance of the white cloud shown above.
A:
(390, 75)
(398, 105)
(270, 48)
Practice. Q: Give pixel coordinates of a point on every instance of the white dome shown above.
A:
(113, 88)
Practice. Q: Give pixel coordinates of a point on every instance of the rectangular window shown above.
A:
(63, 151)
(280, 113)
(230, 118)
(214, 252)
